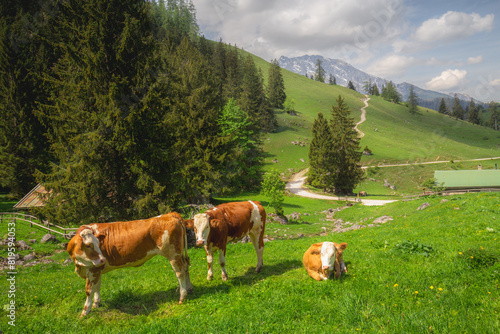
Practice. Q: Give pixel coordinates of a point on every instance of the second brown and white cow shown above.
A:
(229, 222)
(99, 248)
(322, 259)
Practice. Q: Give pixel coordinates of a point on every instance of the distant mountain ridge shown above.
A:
(343, 72)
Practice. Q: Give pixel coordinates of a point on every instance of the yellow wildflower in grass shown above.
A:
(396, 285)
(416, 293)
(432, 287)
(460, 253)
(440, 289)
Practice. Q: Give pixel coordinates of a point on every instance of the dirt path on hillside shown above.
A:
(363, 117)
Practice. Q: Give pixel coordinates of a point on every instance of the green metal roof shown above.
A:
(468, 178)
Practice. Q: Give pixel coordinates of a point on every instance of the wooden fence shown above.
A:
(66, 232)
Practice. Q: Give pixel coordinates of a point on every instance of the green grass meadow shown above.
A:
(433, 270)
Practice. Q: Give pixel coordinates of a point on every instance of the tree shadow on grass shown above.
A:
(136, 303)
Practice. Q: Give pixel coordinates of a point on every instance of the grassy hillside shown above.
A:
(393, 135)
(432, 270)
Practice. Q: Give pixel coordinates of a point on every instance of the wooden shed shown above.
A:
(33, 199)
(468, 179)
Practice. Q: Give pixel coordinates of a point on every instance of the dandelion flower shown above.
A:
(416, 292)
(440, 289)
(460, 253)
(396, 285)
(432, 287)
(472, 257)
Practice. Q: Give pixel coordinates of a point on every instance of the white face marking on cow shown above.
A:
(89, 241)
(327, 255)
(201, 224)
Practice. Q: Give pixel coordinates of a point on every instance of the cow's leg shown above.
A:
(92, 285)
(210, 261)
(316, 275)
(258, 244)
(97, 294)
(181, 270)
(222, 262)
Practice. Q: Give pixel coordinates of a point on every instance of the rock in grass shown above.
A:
(49, 238)
(424, 206)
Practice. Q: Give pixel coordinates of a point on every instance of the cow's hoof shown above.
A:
(258, 269)
(209, 278)
(224, 278)
(95, 305)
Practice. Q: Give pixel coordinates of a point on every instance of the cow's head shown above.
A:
(84, 250)
(327, 255)
(339, 256)
(201, 225)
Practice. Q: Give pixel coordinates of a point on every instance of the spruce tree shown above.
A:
(331, 79)
(368, 87)
(24, 57)
(321, 155)
(457, 111)
(253, 100)
(473, 113)
(275, 86)
(350, 85)
(105, 119)
(346, 149)
(412, 101)
(375, 90)
(443, 108)
(319, 75)
(389, 93)
(494, 109)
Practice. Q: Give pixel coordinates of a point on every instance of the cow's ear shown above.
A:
(189, 223)
(101, 236)
(343, 245)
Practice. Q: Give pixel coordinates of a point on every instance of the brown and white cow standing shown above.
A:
(99, 248)
(323, 258)
(229, 222)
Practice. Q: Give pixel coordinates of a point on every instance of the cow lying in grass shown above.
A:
(229, 222)
(323, 258)
(99, 248)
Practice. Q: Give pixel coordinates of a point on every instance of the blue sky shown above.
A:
(446, 46)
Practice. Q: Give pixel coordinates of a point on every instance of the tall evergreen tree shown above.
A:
(443, 108)
(457, 111)
(24, 56)
(347, 154)
(368, 87)
(412, 101)
(350, 85)
(494, 109)
(389, 93)
(331, 79)
(321, 155)
(473, 113)
(253, 100)
(375, 90)
(319, 75)
(275, 85)
(105, 120)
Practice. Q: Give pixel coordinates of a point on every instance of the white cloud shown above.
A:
(495, 83)
(295, 27)
(391, 66)
(475, 60)
(449, 27)
(448, 79)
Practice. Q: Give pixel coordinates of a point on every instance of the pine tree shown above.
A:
(320, 71)
(389, 93)
(368, 87)
(375, 90)
(473, 113)
(276, 86)
(494, 109)
(24, 56)
(350, 85)
(253, 100)
(412, 101)
(321, 155)
(106, 116)
(443, 108)
(332, 80)
(347, 154)
(457, 111)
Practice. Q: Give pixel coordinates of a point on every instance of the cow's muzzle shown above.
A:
(200, 243)
(326, 267)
